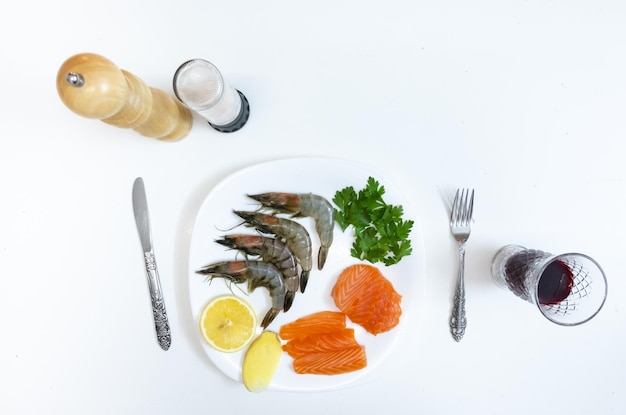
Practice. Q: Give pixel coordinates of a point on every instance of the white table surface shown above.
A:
(523, 100)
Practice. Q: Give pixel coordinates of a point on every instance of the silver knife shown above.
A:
(140, 207)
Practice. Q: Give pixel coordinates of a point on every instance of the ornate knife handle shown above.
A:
(457, 319)
(161, 323)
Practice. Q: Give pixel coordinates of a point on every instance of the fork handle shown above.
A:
(457, 319)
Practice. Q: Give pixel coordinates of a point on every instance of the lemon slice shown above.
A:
(228, 323)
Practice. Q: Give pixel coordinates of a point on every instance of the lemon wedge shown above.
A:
(261, 361)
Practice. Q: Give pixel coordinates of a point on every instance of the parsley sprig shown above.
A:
(381, 235)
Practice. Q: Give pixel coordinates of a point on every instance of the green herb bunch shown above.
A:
(381, 235)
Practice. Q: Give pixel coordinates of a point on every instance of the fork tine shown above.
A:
(463, 207)
(471, 208)
(468, 202)
(454, 216)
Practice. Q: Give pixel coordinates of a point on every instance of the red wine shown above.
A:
(555, 283)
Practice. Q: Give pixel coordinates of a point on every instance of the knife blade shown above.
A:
(142, 219)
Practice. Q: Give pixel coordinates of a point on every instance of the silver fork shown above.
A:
(460, 226)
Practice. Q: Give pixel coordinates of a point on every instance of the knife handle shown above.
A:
(161, 323)
(92, 86)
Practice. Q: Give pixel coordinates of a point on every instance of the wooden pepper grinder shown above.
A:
(92, 86)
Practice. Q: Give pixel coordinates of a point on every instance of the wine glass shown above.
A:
(569, 289)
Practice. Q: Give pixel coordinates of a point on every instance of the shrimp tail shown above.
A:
(304, 278)
(321, 257)
(289, 296)
(269, 317)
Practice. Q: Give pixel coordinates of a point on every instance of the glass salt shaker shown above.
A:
(199, 85)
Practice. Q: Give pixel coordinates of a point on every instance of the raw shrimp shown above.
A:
(256, 274)
(305, 204)
(270, 250)
(295, 235)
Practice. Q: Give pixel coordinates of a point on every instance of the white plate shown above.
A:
(323, 176)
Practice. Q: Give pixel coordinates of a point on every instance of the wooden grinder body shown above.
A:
(92, 86)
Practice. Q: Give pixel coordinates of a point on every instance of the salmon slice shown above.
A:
(324, 342)
(315, 323)
(332, 362)
(320, 343)
(368, 298)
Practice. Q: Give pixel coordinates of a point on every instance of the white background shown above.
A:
(523, 100)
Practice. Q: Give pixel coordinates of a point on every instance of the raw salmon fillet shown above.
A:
(368, 298)
(323, 342)
(316, 323)
(332, 362)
